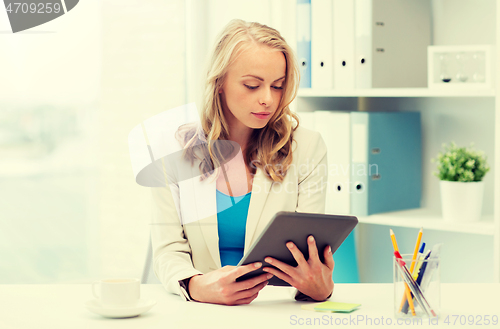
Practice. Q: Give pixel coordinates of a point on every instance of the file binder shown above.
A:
(391, 41)
(346, 261)
(334, 127)
(304, 42)
(321, 44)
(343, 44)
(386, 154)
(363, 59)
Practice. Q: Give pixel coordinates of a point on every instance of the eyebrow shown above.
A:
(259, 78)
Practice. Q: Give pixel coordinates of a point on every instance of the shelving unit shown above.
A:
(486, 231)
(430, 220)
(396, 92)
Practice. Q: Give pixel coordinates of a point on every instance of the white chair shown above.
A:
(148, 274)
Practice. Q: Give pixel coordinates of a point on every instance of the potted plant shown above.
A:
(461, 171)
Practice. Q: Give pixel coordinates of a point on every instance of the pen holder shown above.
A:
(425, 284)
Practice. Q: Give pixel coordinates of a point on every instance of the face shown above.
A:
(253, 88)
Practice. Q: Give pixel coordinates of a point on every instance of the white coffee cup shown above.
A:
(117, 292)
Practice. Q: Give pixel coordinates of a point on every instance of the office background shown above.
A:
(74, 87)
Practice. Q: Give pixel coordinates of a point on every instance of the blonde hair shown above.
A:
(269, 148)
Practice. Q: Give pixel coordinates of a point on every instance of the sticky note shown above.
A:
(310, 307)
(336, 307)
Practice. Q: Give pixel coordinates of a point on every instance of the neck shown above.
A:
(241, 136)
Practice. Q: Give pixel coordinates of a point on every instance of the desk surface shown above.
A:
(61, 306)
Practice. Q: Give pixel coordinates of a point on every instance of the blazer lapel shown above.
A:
(206, 208)
(260, 190)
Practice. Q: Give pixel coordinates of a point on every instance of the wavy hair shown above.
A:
(269, 148)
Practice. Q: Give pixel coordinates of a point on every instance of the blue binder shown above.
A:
(304, 42)
(346, 262)
(386, 153)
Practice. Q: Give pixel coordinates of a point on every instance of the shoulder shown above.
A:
(308, 144)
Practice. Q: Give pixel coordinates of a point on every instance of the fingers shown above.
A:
(297, 254)
(250, 292)
(282, 266)
(313, 250)
(244, 270)
(329, 258)
(283, 276)
(247, 300)
(250, 283)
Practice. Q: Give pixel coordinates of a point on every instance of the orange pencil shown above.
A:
(393, 238)
(414, 260)
(407, 289)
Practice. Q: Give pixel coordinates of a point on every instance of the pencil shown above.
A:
(413, 261)
(393, 238)
(407, 289)
(415, 251)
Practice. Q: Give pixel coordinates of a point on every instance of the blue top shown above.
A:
(232, 215)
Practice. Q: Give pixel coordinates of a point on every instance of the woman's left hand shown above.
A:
(311, 277)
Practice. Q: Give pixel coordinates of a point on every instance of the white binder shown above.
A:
(335, 130)
(343, 45)
(322, 44)
(304, 41)
(363, 44)
(390, 41)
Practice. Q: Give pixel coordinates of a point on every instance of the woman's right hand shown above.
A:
(220, 286)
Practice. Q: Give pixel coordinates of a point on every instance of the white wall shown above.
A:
(143, 75)
(57, 61)
(462, 22)
(73, 88)
(50, 87)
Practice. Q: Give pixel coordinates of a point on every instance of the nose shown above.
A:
(266, 98)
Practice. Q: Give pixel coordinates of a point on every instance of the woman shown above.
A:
(252, 79)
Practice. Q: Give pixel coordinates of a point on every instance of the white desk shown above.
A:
(61, 307)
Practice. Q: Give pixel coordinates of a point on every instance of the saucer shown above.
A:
(142, 306)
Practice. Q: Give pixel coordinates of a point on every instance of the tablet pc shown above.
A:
(296, 227)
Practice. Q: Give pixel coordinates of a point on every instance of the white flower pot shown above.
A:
(462, 201)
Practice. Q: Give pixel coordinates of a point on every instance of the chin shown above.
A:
(258, 126)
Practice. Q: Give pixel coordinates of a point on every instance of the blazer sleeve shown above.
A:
(312, 185)
(172, 261)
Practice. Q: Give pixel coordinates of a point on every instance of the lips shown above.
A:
(262, 115)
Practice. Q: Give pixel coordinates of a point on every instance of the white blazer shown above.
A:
(181, 251)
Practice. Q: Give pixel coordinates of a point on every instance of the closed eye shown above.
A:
(255, 87)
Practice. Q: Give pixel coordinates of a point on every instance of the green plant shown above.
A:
(460, 164)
